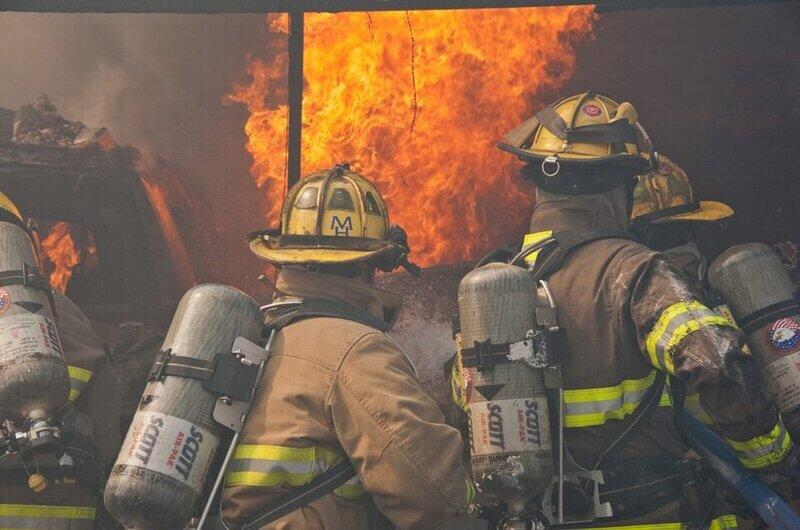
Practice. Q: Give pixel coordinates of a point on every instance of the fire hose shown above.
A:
(768, 504)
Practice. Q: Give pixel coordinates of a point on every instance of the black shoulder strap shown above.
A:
(552, 254)
(323, 307)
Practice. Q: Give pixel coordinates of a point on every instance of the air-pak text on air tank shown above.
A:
(169, 445)
(509, 425)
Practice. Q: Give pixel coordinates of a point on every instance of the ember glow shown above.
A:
(417, 102)
(63, 253)
(180, 257)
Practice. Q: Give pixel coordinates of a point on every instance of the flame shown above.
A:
(416, 101)
(61, 252)
(177, 250)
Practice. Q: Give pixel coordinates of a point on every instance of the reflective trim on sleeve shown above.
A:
(692, 405)
(45, 517)
(78, 379)
(470, 491)
(273, 465)
(588, 407)
(532, 239)
(457, 384)
(673, 325)
(724, 522)
(765, 450)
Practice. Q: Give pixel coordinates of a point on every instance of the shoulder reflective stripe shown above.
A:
(673, 325)
(78, 379)
(725, 522)
(45, 517)
(470, 491)
(272, 465)
(457, 386)
(693, 406)
(587, 407)
(764, 450)
(532, 239)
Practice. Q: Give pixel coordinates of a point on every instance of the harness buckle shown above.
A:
(159, 370)
(552, 160)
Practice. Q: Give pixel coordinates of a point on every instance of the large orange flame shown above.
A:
(63, 254)
(416, 102)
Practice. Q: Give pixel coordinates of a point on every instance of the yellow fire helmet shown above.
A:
(9, 211)
(334, 217)
(665, 195)
(580, 144)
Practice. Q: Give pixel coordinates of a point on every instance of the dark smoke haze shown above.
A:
(156, 81)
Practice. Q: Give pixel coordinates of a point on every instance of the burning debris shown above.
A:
(63, 251)
(39, 123)
(115, 223)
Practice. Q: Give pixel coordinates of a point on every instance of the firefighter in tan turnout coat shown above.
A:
(632, 318)
(91, 429)
(336, 386)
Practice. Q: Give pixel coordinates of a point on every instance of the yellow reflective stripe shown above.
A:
(78, 379)
(666, 398)
(765, 450)
(457, 385)
(673, 325)
(470, 491)
(693, 406)
(81, 374)
(725, 522)
(273, 478)
(588, 407)
(272, 465)
(532, 239)
(277, 452)
(349, 491)
(47, 512)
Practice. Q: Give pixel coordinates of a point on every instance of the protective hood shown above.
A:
(568, 212)
(296, 283)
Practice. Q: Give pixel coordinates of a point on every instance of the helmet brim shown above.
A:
(708, 212)
(271, 250)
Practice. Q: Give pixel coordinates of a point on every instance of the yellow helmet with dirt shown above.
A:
(334, 217)
(665, 195)
(587, 134)
(9, 211)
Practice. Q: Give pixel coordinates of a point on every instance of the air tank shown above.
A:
(161, 470)
(510, 440)
(34, 383)
(755, 284)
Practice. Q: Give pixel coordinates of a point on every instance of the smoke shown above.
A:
(157, 82)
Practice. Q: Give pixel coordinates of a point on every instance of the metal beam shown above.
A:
(264, 6)
(294, 141)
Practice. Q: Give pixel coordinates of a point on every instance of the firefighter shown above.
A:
(50, 499)
(632, 323)
(337, 387)
(666, 215)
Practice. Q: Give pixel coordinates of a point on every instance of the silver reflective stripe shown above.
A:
(631, 397)
(18, 516)
(313, 467)
(676, 322)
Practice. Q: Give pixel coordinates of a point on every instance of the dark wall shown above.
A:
(719, 91)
